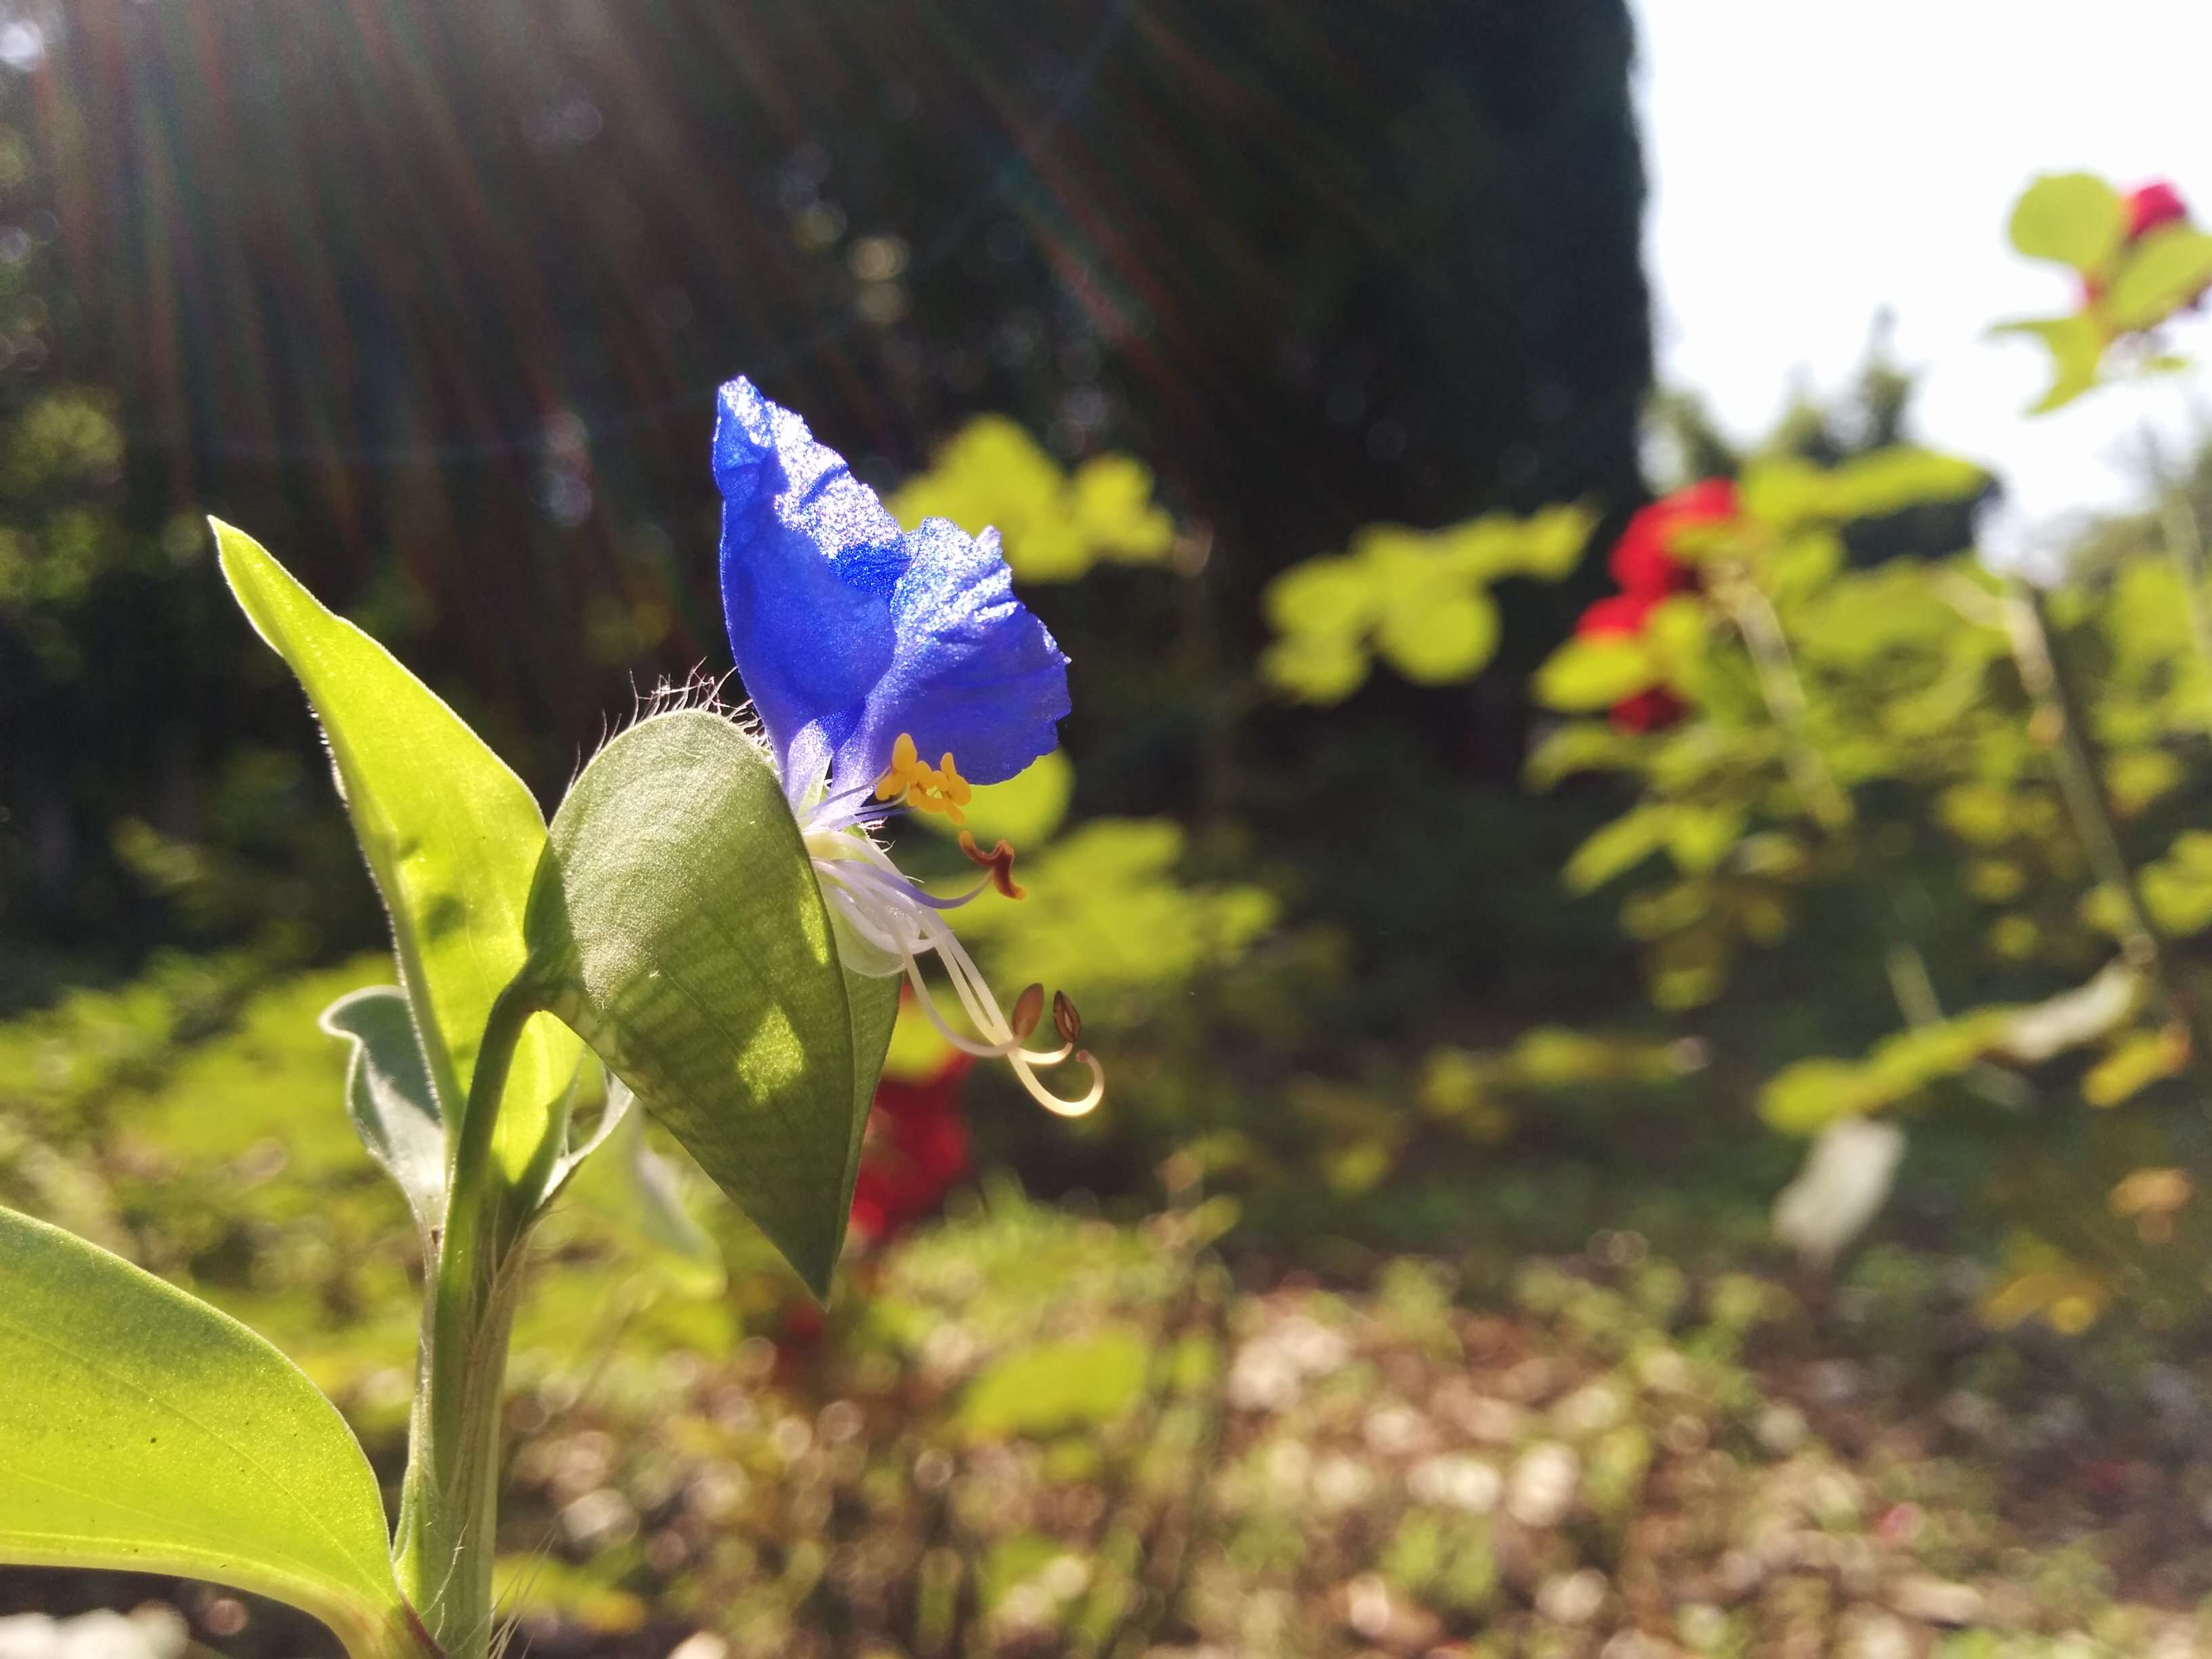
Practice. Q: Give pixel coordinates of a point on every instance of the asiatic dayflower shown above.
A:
(865, 649)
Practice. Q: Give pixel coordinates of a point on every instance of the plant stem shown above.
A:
(2048, 681)
(401, 1636)
(2053, 691)
(449, 1501)
(2184, 545)
(1784, 695)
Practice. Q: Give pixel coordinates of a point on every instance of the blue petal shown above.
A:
(848, 632)
(810, 561)
(973, 673)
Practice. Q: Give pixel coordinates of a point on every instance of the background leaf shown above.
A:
(141, 1429)
(642, 1192)
(451, 834)
(2077, 346)
(1449, 638)
(1081, 1383)
(2074, 218)
(678, 926)
(1586, 674)
(2163, 272)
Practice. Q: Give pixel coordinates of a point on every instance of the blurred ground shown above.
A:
(1027, 1428)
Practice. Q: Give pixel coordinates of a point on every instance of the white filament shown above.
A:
(895, 914)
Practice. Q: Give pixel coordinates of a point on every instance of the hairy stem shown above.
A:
(400, 1636)
(449, 1502)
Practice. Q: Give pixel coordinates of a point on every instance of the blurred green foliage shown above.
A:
(1418, 601)
(2130, 279)
(1053, 527)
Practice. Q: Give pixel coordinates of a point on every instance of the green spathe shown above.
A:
(676, 925)
(142, 1428)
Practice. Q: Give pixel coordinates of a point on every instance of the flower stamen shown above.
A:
(938, 788)
(1000, 861)
(890, 914)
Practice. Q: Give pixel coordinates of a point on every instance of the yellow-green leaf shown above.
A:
(450, 834)
(1435, 643)
(2074, 218)
(144, 1431)
(1315, 667)
(2133, 1064)
(2077, 346)
(1619, 848)
(2160, 274)
(1590, 672)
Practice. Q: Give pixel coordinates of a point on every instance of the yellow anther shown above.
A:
(927, 788)
(905, 763)
(956, 788)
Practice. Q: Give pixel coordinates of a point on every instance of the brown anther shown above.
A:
(1000, 861)
(1065, 1019)
(1028, 1009)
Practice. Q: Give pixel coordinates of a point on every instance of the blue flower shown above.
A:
(867, 649)
(850, 633)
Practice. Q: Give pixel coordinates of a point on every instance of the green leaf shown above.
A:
(1782, 490)
(1110, 498)
(1589, 673)
(642, 1194)
(1545, 546)
(1891, 480)
(2077, 346)
(1804, 1098)
(2162, 273)
(1083, 1382)
(676, 925)
(2136, 1061)
(2177, 887)
(2074, 218)
(1551, 542)
(1700, 837)
(1449, 638)
(1315, 667)
(141, 1430)
(1108, 919)
(389, 1097)
(1619, 848)
(1329, 595)
(450, 832)
(1579, 746)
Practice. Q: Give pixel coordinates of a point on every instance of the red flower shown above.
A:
(917, 1149)
(2153, 207)
(1643, 559)
(1648, 710)
(1644, 564)
(1618, 613)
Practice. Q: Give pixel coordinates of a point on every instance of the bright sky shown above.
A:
(1810, 163)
